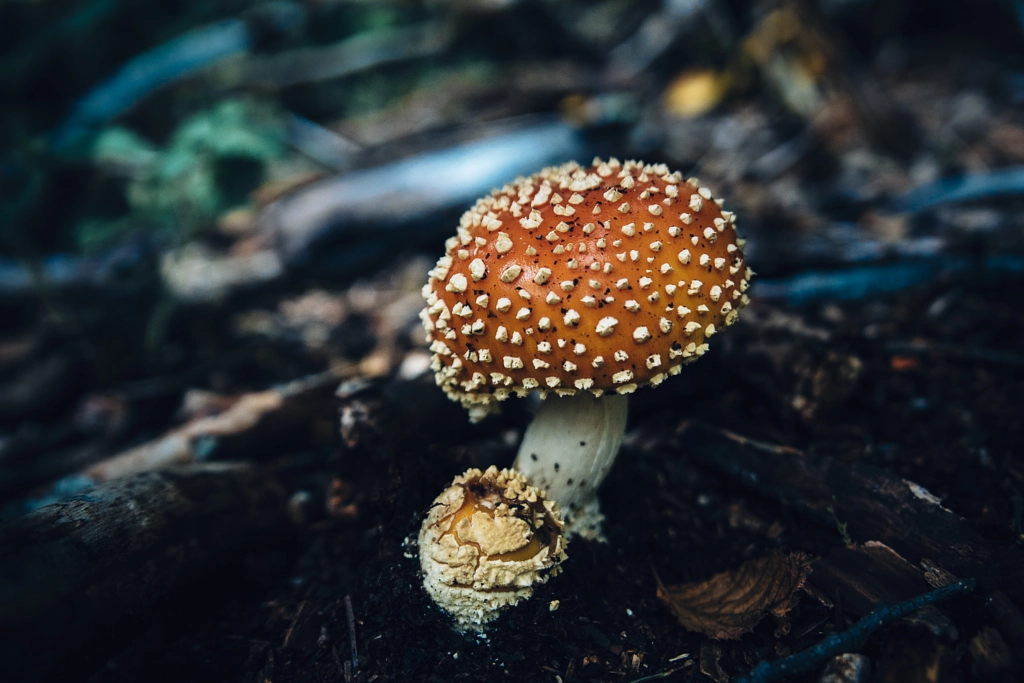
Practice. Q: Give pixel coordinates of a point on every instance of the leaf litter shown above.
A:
(732, 603)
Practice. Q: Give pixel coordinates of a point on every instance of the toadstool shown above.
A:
(582, 283)
(488, 539)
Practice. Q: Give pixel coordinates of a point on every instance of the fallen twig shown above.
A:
(358, 53)
(252, 418)
(860, 282)
(251, 425)
(386, 196)
(857, 282)
(175, 59)
(351, 619)
(854, 637)
(964, 188)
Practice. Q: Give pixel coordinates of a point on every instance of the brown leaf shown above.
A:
(731, 603)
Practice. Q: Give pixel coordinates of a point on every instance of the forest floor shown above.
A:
(926, 384)
(218, 431)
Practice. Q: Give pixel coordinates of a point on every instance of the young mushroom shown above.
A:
(582, 284)
(488, 539)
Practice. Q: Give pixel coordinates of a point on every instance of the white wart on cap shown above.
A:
(582, 279)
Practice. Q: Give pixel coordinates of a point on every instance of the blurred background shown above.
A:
(212, 213)
(181, 183)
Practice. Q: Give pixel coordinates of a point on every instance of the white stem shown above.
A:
(570, 446)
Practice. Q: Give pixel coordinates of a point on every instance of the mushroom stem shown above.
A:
(570, 446)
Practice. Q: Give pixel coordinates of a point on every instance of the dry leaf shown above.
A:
(730, 604)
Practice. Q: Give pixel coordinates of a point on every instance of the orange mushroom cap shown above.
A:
(601, 278)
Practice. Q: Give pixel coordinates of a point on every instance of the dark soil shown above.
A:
(838, 379)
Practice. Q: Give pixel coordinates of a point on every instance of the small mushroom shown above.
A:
(583, 283)
(488, 539)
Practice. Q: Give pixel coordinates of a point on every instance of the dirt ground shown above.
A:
(825, 379)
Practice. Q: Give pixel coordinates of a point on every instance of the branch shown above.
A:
(852, 639)
(251, 426)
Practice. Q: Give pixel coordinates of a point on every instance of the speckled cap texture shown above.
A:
(601, 278)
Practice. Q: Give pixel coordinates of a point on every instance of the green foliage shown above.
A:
(213, 161)
(193, 176)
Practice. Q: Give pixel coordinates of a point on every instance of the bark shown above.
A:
(79, 577)
(874, 503)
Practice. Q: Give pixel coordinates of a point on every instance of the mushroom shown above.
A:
(488, 539)
(582, 284)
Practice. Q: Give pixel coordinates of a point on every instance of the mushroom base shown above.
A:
(568, 450)
(471, 608)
